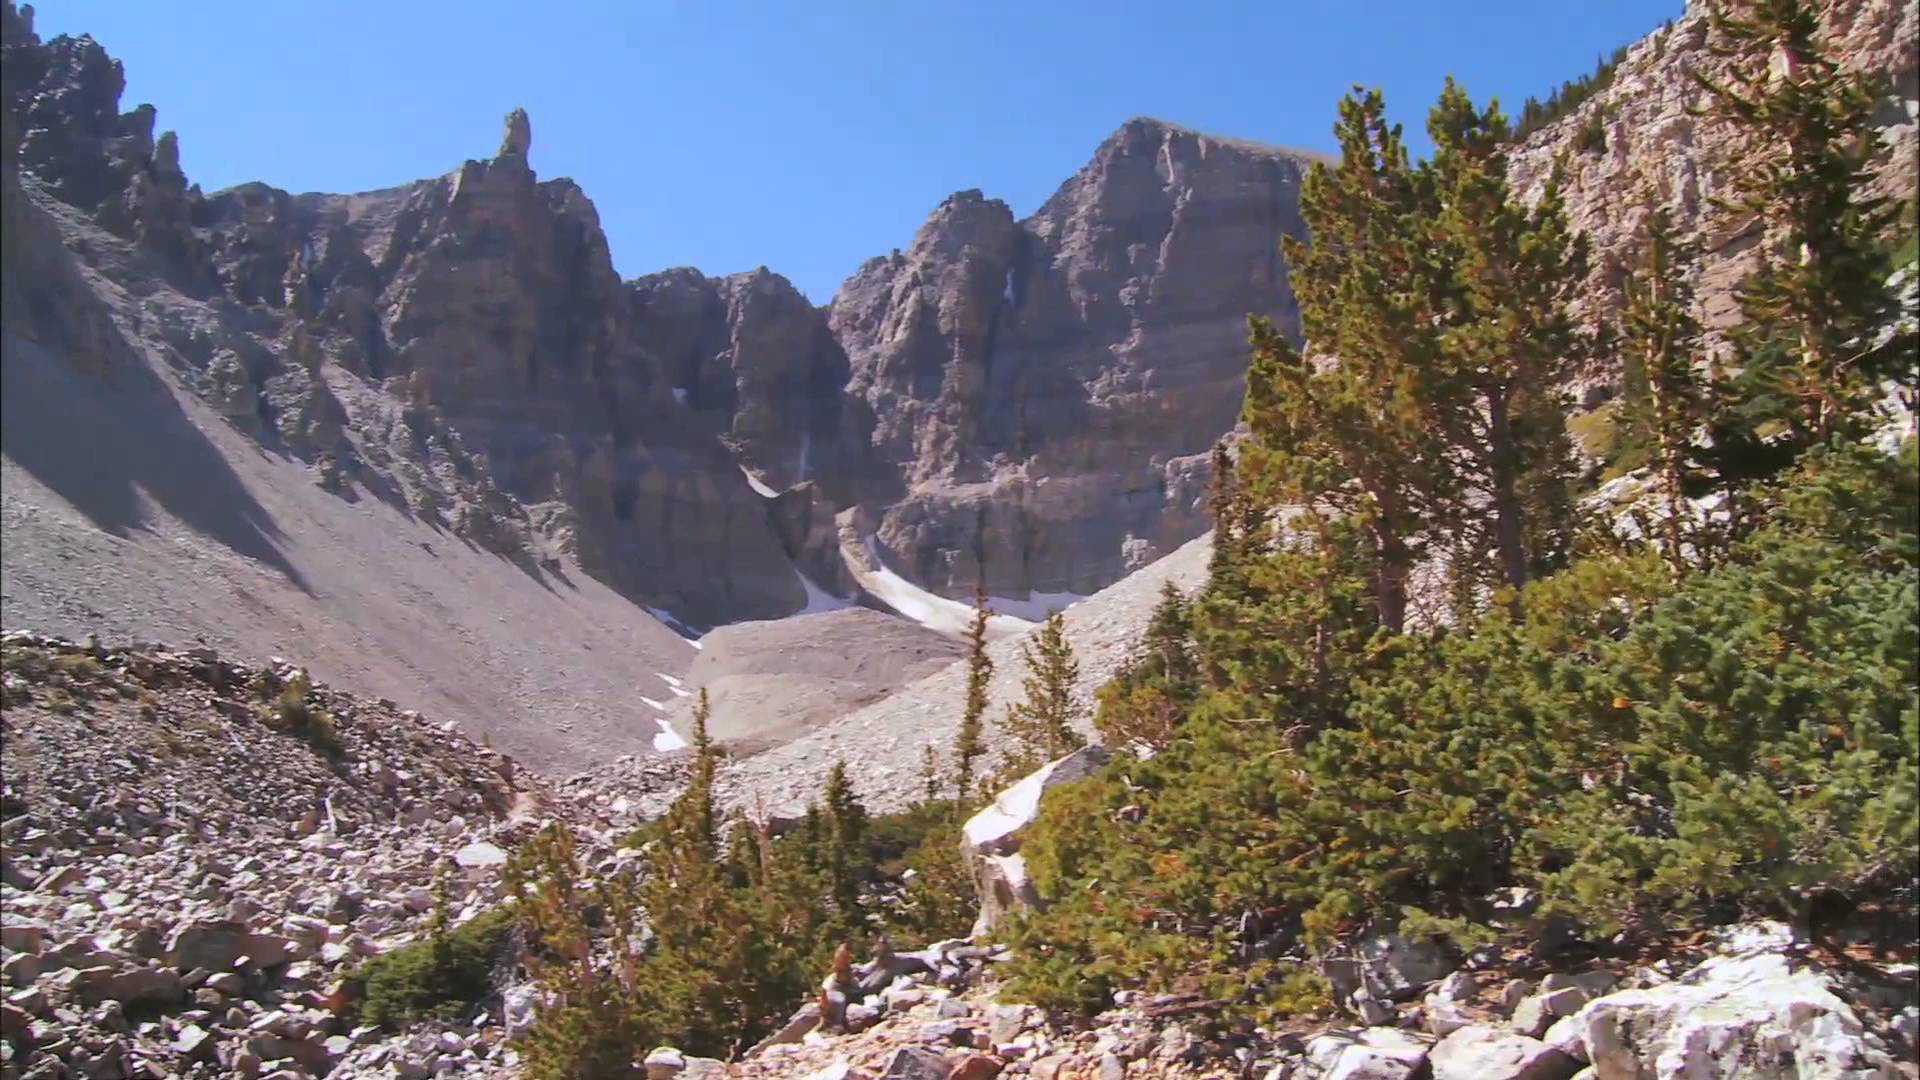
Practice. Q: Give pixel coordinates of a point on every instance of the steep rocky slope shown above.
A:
(187, 875)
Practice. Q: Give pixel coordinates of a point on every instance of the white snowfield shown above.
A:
(936, 612)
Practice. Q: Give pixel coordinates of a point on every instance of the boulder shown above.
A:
(1369, 1054)
(22, 935)
(1485, 1053)
(917, 1063)
(519, 1008)
(991, 838)
(216, 944)
(480, 854)
(1753, 1009)
(1397, 968)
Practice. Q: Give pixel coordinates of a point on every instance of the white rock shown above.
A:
(991, 838)
(1484, 1053)
(480, 854)
(1746, 1012)
(1370, 1054)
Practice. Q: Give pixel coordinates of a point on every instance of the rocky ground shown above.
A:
(887, 737)
(188, 873)
(769, 682)
(1745, 1001)
(195, 858)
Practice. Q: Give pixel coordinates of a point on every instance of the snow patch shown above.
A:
(760, 487)
(666, 739)
(657, 706)
(679, 689)
(673, 623)
(1037, 606)
(819, 599)
(929, 609)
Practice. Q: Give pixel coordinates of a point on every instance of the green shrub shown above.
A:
(294, 714)
(444, 976)
(1637, 750)
(1592, 136)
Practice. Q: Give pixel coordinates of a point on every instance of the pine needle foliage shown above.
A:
(970, 742)
(1814, 309)
(1042, 726)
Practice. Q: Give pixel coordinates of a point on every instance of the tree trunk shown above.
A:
(1390, 579)
(1509, 516)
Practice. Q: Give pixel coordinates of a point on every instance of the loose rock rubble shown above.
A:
(188, 875)
(1756, 1005)
(184, 883)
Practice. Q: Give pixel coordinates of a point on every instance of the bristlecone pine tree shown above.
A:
(1042, 726)
(970, 743)
(1348, 431)
(1815, 305)
(1143, 705)
(1506, 275)
(1667, 402)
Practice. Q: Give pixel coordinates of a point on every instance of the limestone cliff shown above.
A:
(1045, 391)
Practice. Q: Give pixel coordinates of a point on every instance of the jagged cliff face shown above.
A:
(1045, 391)
(1658, 149)
(1022, 403)
(461, 345)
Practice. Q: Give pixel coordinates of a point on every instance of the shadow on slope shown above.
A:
(97, 442)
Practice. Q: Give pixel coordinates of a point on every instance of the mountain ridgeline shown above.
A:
(1021, 404)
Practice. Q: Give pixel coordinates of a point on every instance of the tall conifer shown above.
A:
(970, 743)
(1816, 307)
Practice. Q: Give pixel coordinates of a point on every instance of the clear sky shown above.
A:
(803, 135)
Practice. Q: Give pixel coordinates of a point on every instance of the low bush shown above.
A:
(444, 976)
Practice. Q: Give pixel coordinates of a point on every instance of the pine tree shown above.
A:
(930, 777)
(1662, 339)
(1043, 724)
(1506, 275)
(1145, 702)
(970, 743)
(845, 822)
(1821, 295)
(1351, 434)
(1223, 501)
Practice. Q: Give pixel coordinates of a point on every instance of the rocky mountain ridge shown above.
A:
(1028, 397)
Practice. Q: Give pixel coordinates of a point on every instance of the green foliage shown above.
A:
(1142, 705)
(1042, 727)
(446, 975)
(1668, 398)
(1352, 431)
(722, 931)
(294, 714)
(1591, 138)
(970, 742)
(1807, 353)
(1638, 750)
(1536, 114)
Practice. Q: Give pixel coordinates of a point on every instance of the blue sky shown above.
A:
(806, 137)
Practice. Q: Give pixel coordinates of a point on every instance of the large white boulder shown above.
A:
(1376, 1053)
(1752, 1010)
(1485, 1053)
(991, 838)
